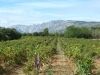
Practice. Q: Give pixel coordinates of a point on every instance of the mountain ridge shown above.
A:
(53, 26)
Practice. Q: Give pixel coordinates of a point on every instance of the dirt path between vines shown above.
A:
(59, 64)
(18, 70)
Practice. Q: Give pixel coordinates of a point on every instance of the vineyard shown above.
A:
(32, 53)
(85, 53)
(25, 50)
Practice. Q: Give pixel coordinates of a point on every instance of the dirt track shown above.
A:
(59, 64)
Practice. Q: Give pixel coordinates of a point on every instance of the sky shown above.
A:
(29, 12)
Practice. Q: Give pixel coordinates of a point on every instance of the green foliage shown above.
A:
(9, 34)
(1, 70)
(25, 50)
(95, 32)
(85, 66)
(83, 63)
(36, 34)
(83, 52)
(72, 32)
(45, 32)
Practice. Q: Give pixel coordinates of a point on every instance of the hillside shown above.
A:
(54, 26)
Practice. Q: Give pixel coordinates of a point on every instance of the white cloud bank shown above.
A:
(40, 11)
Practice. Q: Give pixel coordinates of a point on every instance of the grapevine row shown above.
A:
(25, 50)
(83, 52)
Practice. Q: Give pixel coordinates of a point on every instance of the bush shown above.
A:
(76, 32)
(9, 34)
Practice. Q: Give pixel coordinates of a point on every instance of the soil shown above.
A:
(59, 64)
(15, 70)
(96, 70)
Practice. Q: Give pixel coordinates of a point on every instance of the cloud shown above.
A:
(36, 11)
(45, 4)
(3, 22)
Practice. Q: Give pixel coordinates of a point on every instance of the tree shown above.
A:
(45, 32)
(9, 34)
(40, 33)
(95, 32)
(77, 32)
(70, 31)
(35, 33)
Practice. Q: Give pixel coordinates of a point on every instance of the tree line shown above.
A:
(45, 32)
(70, 32)
(77, 32)
(82, 32)
(9, 34)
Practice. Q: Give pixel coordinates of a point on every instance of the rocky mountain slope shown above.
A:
(54, 26)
